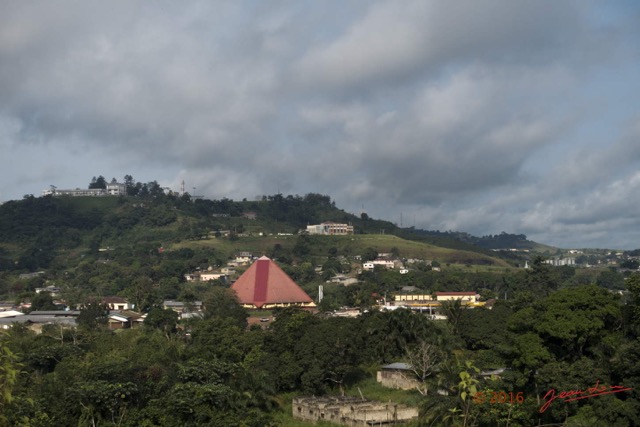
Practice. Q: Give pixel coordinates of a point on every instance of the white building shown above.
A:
(114, 188)
(330, 228)
(386, 263)
(559, 262)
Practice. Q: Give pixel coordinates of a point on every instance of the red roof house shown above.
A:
(265, 285)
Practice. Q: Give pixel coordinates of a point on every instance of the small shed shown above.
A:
(398, 375)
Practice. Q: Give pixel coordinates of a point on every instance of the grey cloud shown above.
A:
(448, 110)
(396, 42)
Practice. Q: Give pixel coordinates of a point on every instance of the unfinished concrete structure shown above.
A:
(351, 411)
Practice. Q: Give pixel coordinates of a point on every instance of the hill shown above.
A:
(34, 231)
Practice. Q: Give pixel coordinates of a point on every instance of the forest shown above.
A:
(564, 340)
(215, 371)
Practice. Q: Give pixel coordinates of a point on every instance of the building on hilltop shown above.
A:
(266, 285)
(330, 229)
(114, 188)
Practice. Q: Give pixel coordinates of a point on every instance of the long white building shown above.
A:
(330, 228)
(113, 189)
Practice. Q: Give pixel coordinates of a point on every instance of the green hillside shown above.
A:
(35, 231)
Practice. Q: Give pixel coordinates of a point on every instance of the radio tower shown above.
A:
(182, 187)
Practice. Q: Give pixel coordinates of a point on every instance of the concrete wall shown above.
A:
(351, 411)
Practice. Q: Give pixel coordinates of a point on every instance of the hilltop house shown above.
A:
(114, 188)
(330, 229)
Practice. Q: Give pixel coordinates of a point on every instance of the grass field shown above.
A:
(348, 245)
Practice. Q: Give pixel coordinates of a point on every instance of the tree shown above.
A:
(130, 185)
(303, 246)
(328, 355)
(99, 182)
(540, 278)
(633, 286)
(575, 319)
(425, 360)
(165, 320)
(223, 303)
(610, 279)
(455, 408)
(369, 254)
(453, 310)
(42, 301)
(142, 293)
(9, 370)
(631, 264)
(93, 315)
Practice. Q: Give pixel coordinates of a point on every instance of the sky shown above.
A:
(482, 116)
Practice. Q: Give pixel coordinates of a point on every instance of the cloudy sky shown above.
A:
(478, 116)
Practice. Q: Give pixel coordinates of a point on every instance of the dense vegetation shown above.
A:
(214, 372)
(556, 328)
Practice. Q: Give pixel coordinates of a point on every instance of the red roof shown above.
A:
(265, 283)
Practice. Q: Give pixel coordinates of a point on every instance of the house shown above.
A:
(204, 276)
(124, 319)
(492, 374)
(558, 262)
(466, 297)
(386, 263)
(424, 301)
(114, 188)
(228, 271)
(30, 275)
(413, 298)
(53, 290)
(243, 258)
(398, 375)
(117, 303)
(330, 229)
(7, 318)
(343, 279)
(36, 320)
(266, 285)
(210, 275)
(250, 215)
(192, 277)
(182, 307)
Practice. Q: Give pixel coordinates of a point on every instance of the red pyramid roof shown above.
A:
(265, 283)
